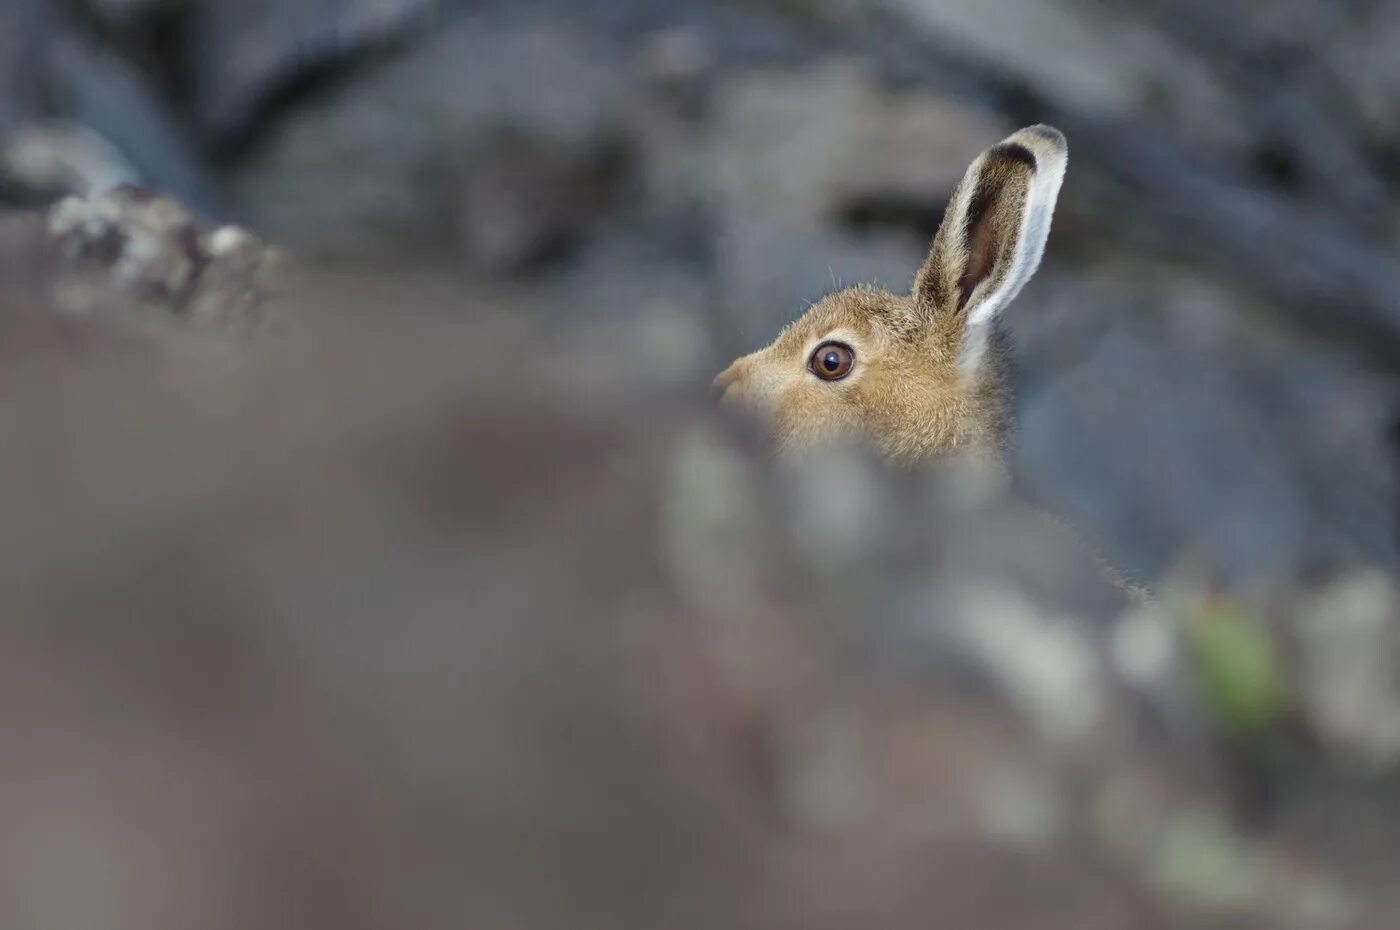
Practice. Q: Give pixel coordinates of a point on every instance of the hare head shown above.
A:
(918, 374)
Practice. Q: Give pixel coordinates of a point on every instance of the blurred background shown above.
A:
(1206, 388)
(1205, 363)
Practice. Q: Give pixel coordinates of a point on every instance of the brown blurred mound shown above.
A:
(398, 647)
(330, 635)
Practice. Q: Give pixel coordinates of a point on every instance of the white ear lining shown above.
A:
(1034, 233)
(1039, 209)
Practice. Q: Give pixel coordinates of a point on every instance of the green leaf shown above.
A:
(1238, 668)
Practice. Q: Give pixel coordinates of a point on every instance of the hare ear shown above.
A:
(993, 235)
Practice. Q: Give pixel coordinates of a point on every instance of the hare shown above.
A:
(918, 374)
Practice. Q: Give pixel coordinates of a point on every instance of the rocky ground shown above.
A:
(512, 244)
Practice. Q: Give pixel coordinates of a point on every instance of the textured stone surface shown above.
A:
(151, 248)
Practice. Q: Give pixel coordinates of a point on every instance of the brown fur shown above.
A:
(927, 380)
(904, 394)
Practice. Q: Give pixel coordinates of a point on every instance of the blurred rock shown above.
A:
(41, 164)
(821, 177)
(1346, 639)
(124, 13)
(811, 145)
(1370, 70)
(1085, 56)
(20, 88)
(1123, 375)
(447, 153)
(246, 555)
(525, 200)
(246, 52)
(151, 248)
(94, 85)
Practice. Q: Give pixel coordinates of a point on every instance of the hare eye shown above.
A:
(832, 361)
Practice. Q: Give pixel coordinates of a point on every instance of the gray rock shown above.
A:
(20, 56)
(1371, 69)
(447, 153)
(93, 85)
(1151, 415)
(796, 159)
(151, 248)
(123, 14)
(1346, 638)
(1082, 57)
(41, 163)
(245, 52)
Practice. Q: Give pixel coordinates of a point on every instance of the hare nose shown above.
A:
(722, 382)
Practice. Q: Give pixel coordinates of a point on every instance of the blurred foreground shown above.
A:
(308, 633)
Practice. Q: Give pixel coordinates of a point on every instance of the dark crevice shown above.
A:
(875, 212)
(1276, 163)
(283, 93)
(317, 71)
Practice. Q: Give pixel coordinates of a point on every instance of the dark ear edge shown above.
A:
(992, 225)
(995, 227)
